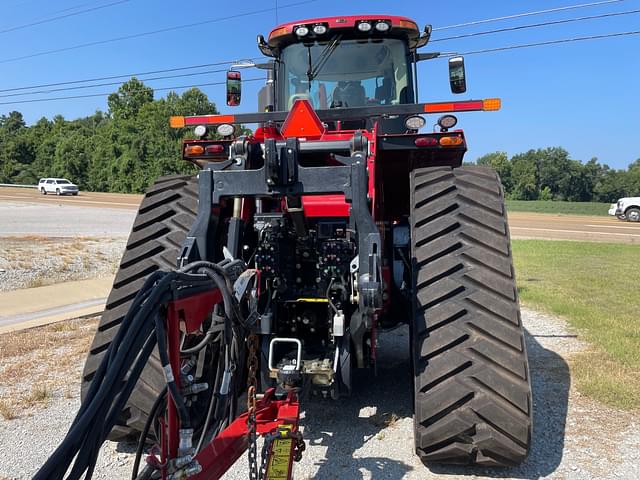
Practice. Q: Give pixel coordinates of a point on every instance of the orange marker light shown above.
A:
(278, 32)
(193, 150)
(407, 24)
(176, 122)
(451, 141)
(491, 104)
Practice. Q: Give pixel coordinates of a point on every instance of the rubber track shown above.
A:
(472, 388)
(167, 211)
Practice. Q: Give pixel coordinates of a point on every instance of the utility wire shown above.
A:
(550, 42)
(60, 17)
(127, 75)
(107, 94)
(528, 14)
(139, 74)
(79, 87)
(534, 25)
(472, 52)
(155, 32)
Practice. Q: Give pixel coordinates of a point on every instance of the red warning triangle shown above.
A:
(302, 121)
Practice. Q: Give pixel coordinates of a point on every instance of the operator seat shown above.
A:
(348, 94)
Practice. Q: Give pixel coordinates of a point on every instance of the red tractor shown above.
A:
(347, 221)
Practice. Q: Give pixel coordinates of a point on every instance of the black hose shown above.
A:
(145, 432)
(141, 330)
(91, 424)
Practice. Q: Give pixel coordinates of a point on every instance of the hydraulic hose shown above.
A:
(145, 432)
(141, 330)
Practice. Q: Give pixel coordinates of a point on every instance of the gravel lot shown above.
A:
(574, 438)
(33, 261)
(44, 244)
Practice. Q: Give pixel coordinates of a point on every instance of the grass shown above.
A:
(36, 363)
(595, 287)
(7, 411)
(566, 208)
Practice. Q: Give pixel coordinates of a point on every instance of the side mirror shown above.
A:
(234, 88)
(457, 79)
(424, 38)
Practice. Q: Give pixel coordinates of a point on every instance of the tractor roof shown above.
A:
(399, 27)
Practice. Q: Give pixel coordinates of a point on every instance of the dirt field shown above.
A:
(523, 224)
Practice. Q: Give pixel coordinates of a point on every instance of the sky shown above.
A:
(583, 96)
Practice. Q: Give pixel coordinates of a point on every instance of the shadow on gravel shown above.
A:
(550, 380)
(339, 427)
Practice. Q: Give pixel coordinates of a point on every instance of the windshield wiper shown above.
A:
(322, 58)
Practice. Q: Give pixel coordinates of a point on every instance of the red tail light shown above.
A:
(213, 149)
(426, 142)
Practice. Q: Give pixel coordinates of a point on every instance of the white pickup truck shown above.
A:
(627, 208)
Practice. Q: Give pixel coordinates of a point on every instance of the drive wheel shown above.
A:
(164, 218)
(473, 400)
(633, 214)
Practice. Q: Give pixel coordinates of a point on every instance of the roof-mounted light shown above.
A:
(302, 31)
(319, 29)
(364, 26)
(382, 26)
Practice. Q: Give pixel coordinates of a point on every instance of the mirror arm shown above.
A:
(427, 56)
(265, 66)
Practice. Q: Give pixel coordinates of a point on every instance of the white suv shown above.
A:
(59, 186)
(626, 209)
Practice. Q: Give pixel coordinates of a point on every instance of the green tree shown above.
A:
(129, 99)
(525, 177)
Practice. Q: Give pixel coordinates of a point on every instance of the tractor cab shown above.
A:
(342, 62)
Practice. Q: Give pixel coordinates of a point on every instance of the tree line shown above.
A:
(549, 174)
(126, 148)
(122, 150)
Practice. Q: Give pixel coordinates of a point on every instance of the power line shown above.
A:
(60, 17)
(80, 87)
(550, 42)
(127, 75)
(528, 14)
(473, 52)
(155, 32)
(72, 82)
(107, 94)
(534, 25)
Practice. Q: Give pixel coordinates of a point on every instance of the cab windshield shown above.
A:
(338, 73)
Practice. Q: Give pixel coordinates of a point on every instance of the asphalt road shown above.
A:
(84, 199)
(523, 224)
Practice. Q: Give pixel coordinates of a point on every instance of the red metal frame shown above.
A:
(224, 450)
(189, 311)
(187, 314)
